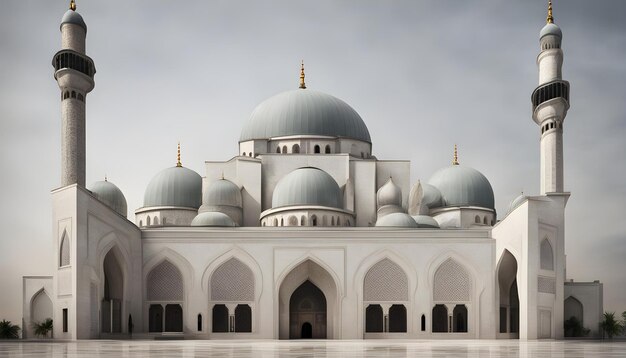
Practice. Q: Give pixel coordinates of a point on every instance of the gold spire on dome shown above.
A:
(72, 5)
(455, 159)
(302, 85)
(178, 163)
(550, 19)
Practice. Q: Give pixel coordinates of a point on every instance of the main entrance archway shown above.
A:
(307, 303)
(509, 298)
(307, 312)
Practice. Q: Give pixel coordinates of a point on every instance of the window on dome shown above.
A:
(244, 154)
(316, 149)
(303, 221)
(327, 149)
(477, 219)
(278, 150)
(295, 148)
(284, 149)
(313, 220)
(485, 221)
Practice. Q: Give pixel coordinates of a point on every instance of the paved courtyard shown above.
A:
(387, 348)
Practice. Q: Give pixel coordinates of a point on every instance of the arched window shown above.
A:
(278, 150)
(232, 282)
(275, 222)
(397, 318)
(220, 318)
(263, 223)
(485, 221)
(165, 288)
(73, 94)
(148, 221)
(163, 221)
(303, 221)
(66, 95)
(244, 154)
(477, 219)
(327, 149)
(156, 220)
(546, 255)
(440, 319)
(140, 223)
(313, 220)
(282, 222)
(243, 318)
(332, 221)
(374, 318)
(295, 148)
(459, 316)
(451, 284)
(423, 323)
(81, 98)
(316, 149)
(199, 322)
(64, 251)
(250, 154)
(284, 149)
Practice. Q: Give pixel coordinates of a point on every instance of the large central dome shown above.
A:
(304, 112)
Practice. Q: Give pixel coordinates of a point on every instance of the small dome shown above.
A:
(223, 192)
(396, 220)
(426, 222)
(463, 186)
(304, 112)
(109, 194)
(389, 194)
(213, 218)
(431, 197)
(307, 186)
(176, 186)
(551, 29)
(517, 202)
(72, 17)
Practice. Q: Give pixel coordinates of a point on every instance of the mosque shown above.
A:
(304, 233)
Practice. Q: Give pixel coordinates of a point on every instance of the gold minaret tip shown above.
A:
(302, 85)
(550, 19)
(72, 5)
(178, 163)
(455, 159)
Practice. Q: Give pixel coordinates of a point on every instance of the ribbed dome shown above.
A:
(223, 192)
(517, 202)
(551, 29)
(213, 218)
(307, 186)
(389, 194)
(426, 222)
(109, 194)
(396, 220)
(72, 17)
(431, 197)
(304, 112)
(176, 186)
(463, 186)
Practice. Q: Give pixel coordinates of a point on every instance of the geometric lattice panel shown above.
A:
(165, 283)
(546, 255)
(232, 281)
(384, 282)
(546, 284)
(65, 251)
(452, 283)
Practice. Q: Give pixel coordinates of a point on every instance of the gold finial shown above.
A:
(105, 177)
(302, 85)
(178, 163)
(72, 5)
(455, 160)
(550, 19)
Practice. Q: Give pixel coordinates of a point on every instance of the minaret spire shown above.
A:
(550, 19)
(455, 159)
(72, 5)
(302, 85)
(178, 163)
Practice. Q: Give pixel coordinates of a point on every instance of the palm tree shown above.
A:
(42, 329)
(9, 330)
(610, 326)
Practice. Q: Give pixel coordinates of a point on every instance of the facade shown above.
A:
(305, 233)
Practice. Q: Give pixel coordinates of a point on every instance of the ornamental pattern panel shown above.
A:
(546, 284)
(451, 283)
(386, 281)
(165, 283)
(232, 281)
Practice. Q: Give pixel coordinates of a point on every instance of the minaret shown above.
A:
(74, 73)
(550, 102)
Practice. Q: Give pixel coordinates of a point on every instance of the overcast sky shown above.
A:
(423, 75)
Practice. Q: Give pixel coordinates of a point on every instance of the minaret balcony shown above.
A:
(68, 59)
(550, 90)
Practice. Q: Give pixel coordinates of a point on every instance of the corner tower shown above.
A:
(550, 102)
(73, 71)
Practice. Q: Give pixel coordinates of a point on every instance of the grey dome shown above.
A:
(109, 194)
(307, 186)
(223, 192)
(396, 220)
(176, 186)
(213, 218)
(431, 196)
(72, 17)
(463, 186)
(304, 112)
(551, 29)
(426, 222)
(389, 194)
(517, 202)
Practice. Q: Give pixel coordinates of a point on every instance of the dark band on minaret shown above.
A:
(302, 84)
(550, 18)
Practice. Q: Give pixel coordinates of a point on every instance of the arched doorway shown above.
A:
(111, 308)
(307, 312)
(509, 298)
(308, 294)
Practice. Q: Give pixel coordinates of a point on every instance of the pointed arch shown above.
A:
(64, 250)
(165, 283)
(451, 282)
(243, 257)
(546, 255)
(40, 306)
(386, 281)
(232, 281)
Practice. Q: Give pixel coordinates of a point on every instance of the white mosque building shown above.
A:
(306, 234)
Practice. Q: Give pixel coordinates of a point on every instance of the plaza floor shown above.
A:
(369, 348)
